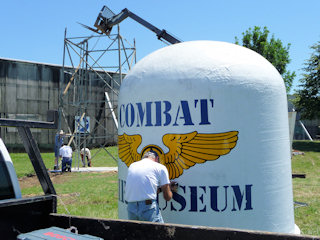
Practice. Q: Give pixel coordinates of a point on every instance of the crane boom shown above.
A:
(107, 19)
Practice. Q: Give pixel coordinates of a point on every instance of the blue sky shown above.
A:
(33, 30)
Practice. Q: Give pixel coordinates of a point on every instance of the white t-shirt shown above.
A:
(65, 151)
(144, 178)
(85, 151)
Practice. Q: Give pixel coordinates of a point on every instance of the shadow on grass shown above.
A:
(309, 146)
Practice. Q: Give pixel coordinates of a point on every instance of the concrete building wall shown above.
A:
(28, 90)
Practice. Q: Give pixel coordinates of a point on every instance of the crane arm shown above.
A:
(104, 23)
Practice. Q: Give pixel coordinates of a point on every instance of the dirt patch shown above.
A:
(31, 181)
(59, 177)
(56, 178)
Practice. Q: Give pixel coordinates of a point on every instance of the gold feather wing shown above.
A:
(185, 150)
(128, 145)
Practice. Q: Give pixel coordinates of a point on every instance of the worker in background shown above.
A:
(85, 154)
(65, 153)
(57, 145)
(143, 180)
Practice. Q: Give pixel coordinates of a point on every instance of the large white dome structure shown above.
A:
(217, 114)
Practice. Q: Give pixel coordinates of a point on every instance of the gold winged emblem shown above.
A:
(185, 150)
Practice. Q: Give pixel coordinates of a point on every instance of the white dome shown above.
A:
(230, 106)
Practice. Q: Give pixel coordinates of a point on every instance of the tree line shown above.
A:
(307, 100)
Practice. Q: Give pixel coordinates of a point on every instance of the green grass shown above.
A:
(307, 190)
(82, 194)
(95, 194)
(100, 158)
(79, 193)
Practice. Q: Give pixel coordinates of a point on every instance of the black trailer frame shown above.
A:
(31, 146)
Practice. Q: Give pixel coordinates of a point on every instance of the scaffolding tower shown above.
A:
(93, 69)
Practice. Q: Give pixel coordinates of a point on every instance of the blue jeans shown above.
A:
(143, 212)
(66, 161)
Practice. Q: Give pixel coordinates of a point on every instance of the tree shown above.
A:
(273, 50)
(308, 101)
